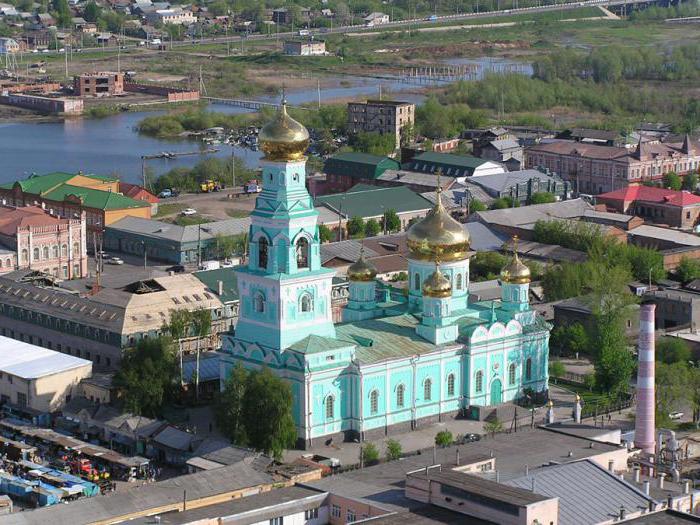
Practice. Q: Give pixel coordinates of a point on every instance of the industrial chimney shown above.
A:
(645, 426)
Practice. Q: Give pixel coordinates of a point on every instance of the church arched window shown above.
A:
(330, 408)
(511, 374)
(36, 254)
(76, 249)
(302, 250)
(528, 369)
(427, 389)
(479, 381)
(374, 401)
(25, 255)
(262, 252)
(64, 250)
(416, 281)
(451, 385)
(45, 252)
(306, 303)
(458, 281)
(259, 302)
(55, 251)
(400, 394)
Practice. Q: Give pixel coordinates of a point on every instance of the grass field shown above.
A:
(169, 209)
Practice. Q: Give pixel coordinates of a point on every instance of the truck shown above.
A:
(252, 186)
(209, 185)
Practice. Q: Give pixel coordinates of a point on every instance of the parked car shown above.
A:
(177, 268)
(675, 416)
(467, 438)
(189, 211)
(115, 260)
(165, 194)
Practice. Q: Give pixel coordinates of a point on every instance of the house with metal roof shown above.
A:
(344, 170)
(451, 165)
(517, 185)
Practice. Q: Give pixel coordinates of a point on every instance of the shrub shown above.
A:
(393, 450)
(443, 438)
(369, 455)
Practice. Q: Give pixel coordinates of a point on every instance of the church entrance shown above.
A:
(496, 392)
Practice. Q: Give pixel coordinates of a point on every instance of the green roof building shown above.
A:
(458, 166)
(344, 170)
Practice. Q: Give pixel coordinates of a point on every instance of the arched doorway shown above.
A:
(496, 392)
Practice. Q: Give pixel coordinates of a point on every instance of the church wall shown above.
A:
(425, 268)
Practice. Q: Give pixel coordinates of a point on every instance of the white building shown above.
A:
(8, 45)
(37, 378)
(175, 16)
(375, 19)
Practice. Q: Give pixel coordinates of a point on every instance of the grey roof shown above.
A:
(347, 250)
(549, 252)
(32, 362)
(175, 439)
(665, 517)
(141, 499)
(525, 215)
(587, 492)
(665, 234)
(427, 515)
(503, 144)
(500, 182)
(224, 453)
(484, 239)
(677, 295)
(456, 195)
(415, 177)
(173, 232)
(208, 367)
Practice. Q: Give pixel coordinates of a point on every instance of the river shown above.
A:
(112, 145)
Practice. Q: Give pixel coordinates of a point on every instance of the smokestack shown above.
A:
(662, 477)
(647, 486)
(645, 424)
(637, 471)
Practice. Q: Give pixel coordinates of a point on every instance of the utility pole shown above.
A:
(233, 168)
(318, 87)
(65, 56)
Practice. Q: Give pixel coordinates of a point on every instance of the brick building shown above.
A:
(36, 240)
(598, 169)
(679, 209)
(98, 84)
(381, 116)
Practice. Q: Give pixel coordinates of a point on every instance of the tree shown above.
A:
(671, 389)
(91, 12)
(355, 226)
(690, 181)
(229, 406)
(493, 427)
(267, 413)
(476, 205)
(226, 245)
(392, 222)
(688, 270)
(147, 376)
(325, 234)
(201, 325)
(694, 393)
(444, 438)
(504, 202)
(486, 265)
(373, 143)
(62, 12)
(369, 455)
(571, 339)
(178, 327)
(372, 228)
(672, 181)
(542, 197)
(393, 450)
(557, 369)
(614, 363)
(671, 350)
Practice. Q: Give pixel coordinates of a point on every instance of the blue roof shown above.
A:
(208, 368)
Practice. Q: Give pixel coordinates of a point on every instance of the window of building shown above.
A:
(427, 389)
(479, 381)
(262, 252)
(277, 521)
(350, 516)
(302, 251)
(330, 408)
(306, 303)
(259, 302)
(400, 392)
(25, 256)
(374, 401)
(45, 252)
(335, 511)
(311, 514)
(21, 399)
(528, 369)
(35, 254)
(416, 281)
(9, 379)
(511, 374)
(458, 281)
(451, 385)
(54, 251)
(76, 249)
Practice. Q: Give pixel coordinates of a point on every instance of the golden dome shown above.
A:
(438, 235)
(516, 272)
(437, 285)
(283, 138)
(362, 269)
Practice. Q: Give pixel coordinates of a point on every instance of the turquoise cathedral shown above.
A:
(396, 361)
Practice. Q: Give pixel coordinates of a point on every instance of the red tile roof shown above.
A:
(650, 194)
(137, 192)
(13, 218)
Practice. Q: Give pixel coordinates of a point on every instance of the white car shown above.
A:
(189, 211)
(675, 416)
(115, 260)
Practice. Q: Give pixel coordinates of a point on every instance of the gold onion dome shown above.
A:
(362, 269)
(516, 272)
(438, 235)
(437, 285)
(283, 138)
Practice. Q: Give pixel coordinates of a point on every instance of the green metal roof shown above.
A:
(103, 200)
(211, 278)
(359, 165)
(312, 344)
(448, 159)
(38, 184)
(364, 200)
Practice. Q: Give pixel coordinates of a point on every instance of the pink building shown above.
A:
(31, 238)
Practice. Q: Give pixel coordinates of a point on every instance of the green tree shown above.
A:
(373, 143)
(542, 197)
(486, 265)
(267, 394)
(493, 427)
(372, 228)
(476, 205)
(325, 234)
(671, 389)
(694, 393)
(571, 339)
(201, 326)
(355, 226)
(226, 246)
(672, 350)
(229, 406)
(690, 181)
(147, 376)
(62, 12)
(178, 327)
(557, 369)
(91, 12)
(392, 222)
(672, 181)
(444, 438)
(614, 363)
(688, 270)
(369, 455)
(393, 450)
